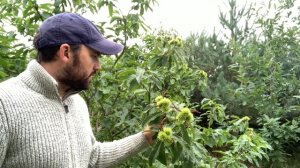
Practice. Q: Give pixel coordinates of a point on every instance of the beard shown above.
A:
(76, 80)
(75, 77)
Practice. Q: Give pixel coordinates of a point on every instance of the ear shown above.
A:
(64, 53)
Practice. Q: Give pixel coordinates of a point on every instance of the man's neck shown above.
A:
(50, 68)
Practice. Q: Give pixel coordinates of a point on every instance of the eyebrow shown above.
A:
(95, 53)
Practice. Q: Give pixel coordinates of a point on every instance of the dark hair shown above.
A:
(48, 53)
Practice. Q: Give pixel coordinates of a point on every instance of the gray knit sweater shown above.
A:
(37, 132)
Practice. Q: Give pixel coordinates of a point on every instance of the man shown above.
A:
(43, 120)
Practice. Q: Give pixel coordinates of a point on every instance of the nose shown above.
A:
(97, 66)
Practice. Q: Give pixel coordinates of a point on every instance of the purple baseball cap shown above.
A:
(74, 29)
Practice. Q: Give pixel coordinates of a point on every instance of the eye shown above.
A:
(95, 55)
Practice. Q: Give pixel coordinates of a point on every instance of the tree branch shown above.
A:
(125, 42)
(36, 7)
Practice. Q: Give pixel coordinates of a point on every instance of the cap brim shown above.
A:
(106, 47)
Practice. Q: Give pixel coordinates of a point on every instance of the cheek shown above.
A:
(88, 63)
(78, 70)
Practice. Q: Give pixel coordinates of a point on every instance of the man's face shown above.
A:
(78, 73)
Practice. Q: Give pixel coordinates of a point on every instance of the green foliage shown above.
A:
(261, 75)
(280, 136)
(13, 56)
(234, 144)
(212, 89)
(215, 111)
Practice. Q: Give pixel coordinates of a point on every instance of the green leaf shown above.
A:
(185, 134)
(115, 18)
(139, 74)
(162, 155)
(154, 152)
(139, 91)
(2, 75)
(176, 150)
(297, 96)
(110, 9)
(157, 82)
(153, 118)
(188, 163)
(125, 73)
(142, 10)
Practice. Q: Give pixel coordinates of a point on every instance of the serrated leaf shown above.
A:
(185, 134)
(153, 118)
(162, 155)
(139, 74)
(154, 152)
(176, 150)
(139, 91)
(123, 74)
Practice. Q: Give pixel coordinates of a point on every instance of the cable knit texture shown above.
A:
(37, 132)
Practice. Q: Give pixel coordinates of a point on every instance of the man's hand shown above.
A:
(151, 131)
(149, 134)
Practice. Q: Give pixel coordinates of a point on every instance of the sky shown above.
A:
(186, 16)
(190, 16)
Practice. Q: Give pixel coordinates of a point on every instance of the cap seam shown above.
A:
(88, 31)
(59, 30)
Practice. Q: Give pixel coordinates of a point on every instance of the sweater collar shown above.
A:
(39, 80)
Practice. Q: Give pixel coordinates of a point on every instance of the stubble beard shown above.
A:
(76, 79)
(74, 76)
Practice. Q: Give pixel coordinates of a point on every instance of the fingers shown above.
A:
(148, 134)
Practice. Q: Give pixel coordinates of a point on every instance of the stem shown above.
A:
(125, 42)
(122, 130)
(116, 98)
(36, 7)
(149, 93)
(175, 107)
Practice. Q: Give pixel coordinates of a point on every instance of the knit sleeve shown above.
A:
(110, 154)
(3, 134)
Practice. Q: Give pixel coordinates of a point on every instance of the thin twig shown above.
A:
(125, 43)
(122, 130)
(36, 7)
